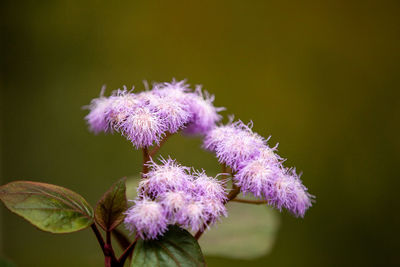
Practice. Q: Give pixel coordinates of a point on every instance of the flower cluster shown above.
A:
(145, 117)
(173, 194)
(257, 168)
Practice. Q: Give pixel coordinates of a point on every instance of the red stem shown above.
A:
(98, 236)
(146, 158)
(127, 252)
(157, 148)
(248, 201)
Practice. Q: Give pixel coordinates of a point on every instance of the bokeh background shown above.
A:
(321, 77)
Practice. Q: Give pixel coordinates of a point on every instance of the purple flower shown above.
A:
(256, 176)
(303, 200)
(206, 205)
(288, 192)
(97, 117)
(128, 114)
(122, 104)
(165, 177)
(209, 187)
(175, 114)
(193, 216)
(269, 154)
(217, 135)
(200, 212)
(178, 91)
(237, 145)
(147, 218)
(142, 126)
(191, 200)
(204, 114)
(214, 210)
(173, 202)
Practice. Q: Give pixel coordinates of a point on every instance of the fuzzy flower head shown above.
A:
(205, 114)
(161, 178)
(122, 104)
(142, 127)
(147, 218)
(239, 145)
(217, 135)
(173, 202)
(209, 187)
(97, 117)
(173, 113)
(269, 154)
(288, 192)
(193, 215)
(256, 176)
(176, 90)
(214, 210)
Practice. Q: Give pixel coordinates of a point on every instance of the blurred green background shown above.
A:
(321, 77)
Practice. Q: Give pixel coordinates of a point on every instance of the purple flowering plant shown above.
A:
(175, 204)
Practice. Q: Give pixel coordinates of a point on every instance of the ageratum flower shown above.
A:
(191, 200)
(208, 187)
(142, 126)
(204, 114)
(238, 145)
(214, 210)
(177, 90)
(215, 136)
(193, 216)
(169, 176)
(173, 202)
(206, 205)
(287, 191)
(122, 104)
(201, 212)
(97, 117)
(270, 155)
(256, 176)
(147, 218)
(174, 114)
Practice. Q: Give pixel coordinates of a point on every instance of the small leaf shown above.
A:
(176, 248)
(248, 232)
(50, 208)
(110, 209)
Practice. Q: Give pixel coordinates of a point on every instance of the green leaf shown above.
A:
(248, 232)
(50, 208)
(110, 209)
(176, 248)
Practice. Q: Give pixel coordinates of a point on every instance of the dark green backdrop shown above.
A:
(321, 77)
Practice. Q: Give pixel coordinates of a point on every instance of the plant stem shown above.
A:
(108, 237)
(198, 234)
(247, 201)
(157, 148)
(109, 257)
(98, 236)
(233, 193)
(127, 252)
(146, 158)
